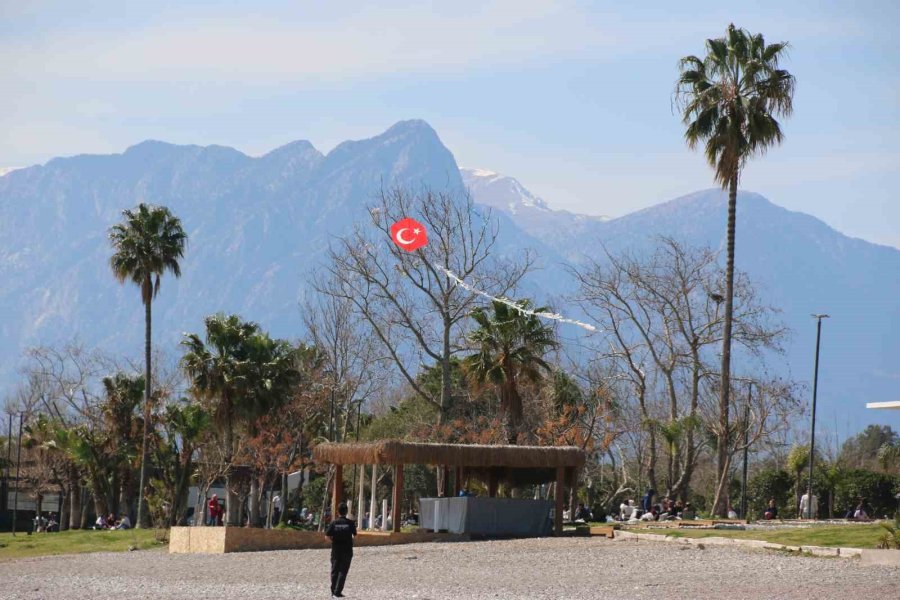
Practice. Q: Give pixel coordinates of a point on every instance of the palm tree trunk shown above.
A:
(282, 517)
(75, 494)
(143, 482)
(232, 502)
(720, 508)
(64, 506)
(256, 492)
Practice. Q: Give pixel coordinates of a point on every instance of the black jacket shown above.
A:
(341, 532)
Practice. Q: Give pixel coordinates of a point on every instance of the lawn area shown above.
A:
(75, 542)
(847, 536)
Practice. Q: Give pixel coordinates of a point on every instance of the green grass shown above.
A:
(847, 536)
(75, 542)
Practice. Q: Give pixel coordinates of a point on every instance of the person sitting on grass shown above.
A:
(863, 511)
(668, 511)
(582, 513)
(124, 522)
(650, 515)
(626, 509)
(732, 514)
(771, 511)
(101, 523)
(688, 514)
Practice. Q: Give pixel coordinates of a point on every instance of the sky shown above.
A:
(572, 98)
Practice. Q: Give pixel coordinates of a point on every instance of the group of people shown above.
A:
(46, 524)
(110, 522)
(666, 509)
(809, 508)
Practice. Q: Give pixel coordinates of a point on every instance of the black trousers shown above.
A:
(340, 566)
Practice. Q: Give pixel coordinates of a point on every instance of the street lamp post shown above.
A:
(746, 450)
(18, 463)
(812, 433)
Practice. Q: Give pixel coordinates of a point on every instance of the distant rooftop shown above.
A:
(895, 404)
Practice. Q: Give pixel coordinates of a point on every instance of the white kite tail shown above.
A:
(513, 303)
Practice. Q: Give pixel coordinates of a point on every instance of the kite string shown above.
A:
(513, 304)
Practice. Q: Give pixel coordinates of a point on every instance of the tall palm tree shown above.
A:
(730, 100)
(146, 244)
(510, 348)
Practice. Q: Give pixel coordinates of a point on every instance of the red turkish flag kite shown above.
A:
(409, 234)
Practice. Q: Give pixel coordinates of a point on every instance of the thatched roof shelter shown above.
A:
(391, 452)
(517, 465)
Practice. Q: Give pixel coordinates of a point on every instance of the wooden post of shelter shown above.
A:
(457, 482)
(398, 496)
(373, 505)
(571, 481)
(338, 493)
(559, 493)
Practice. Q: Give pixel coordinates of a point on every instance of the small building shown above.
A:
(515, 465)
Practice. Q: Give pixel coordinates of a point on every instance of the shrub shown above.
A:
(767, 484)
(878, 489)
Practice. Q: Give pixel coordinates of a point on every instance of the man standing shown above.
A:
(276, 510)
(807, 511)
(341, 531)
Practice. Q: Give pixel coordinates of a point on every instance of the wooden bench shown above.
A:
(606, 530)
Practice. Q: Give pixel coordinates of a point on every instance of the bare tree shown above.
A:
(352, 359)
(414, 308)
(663, 323)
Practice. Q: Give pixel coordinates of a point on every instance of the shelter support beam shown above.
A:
(337, 496)
(373, 507)
(559, 493)
(398, 496)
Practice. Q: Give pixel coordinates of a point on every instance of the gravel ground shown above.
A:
(534, 569)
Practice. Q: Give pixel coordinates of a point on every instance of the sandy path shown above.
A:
(533, 569)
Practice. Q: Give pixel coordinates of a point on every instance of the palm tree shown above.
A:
(146, 244)
(729, 101)
(241, 373)
(123, 396)
(510, 347)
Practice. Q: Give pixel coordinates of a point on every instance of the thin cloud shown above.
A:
(369, 43)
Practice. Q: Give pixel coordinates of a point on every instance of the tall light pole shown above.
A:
(812, 433)
(18, 463)
(746, 450)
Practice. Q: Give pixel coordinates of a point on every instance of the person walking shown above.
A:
(341, 531)
(214, 511)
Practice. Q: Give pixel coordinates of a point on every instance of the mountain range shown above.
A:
(257, 226)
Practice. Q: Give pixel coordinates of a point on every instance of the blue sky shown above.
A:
(572, 98)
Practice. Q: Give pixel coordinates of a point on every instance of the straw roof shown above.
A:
(455, 455)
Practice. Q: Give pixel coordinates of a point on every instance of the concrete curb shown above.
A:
(826, 551)
(890, 558)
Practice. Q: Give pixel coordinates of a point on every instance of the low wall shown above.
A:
(221, 540)
(742, 543)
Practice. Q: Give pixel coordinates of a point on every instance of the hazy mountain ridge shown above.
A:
(258, 225)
